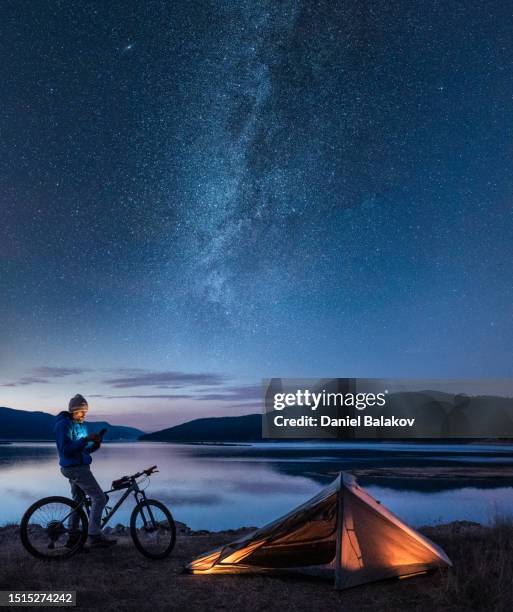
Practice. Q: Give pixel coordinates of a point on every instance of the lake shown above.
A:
(226, 487)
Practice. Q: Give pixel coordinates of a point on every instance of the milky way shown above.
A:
(257, 188)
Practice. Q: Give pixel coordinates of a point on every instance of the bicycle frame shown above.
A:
(139, 496)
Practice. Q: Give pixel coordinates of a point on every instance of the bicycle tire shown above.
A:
(24, 527)
(170, 521)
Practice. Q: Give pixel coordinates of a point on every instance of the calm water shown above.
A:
(222, 487)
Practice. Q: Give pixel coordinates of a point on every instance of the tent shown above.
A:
(341, 532)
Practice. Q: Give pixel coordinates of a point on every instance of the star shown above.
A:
(128, 48)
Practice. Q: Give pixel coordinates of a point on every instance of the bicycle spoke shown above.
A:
(153, 531)
(47, 528)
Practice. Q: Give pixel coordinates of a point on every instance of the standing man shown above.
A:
(75, 446)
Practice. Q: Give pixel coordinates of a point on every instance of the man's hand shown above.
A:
(94, 438)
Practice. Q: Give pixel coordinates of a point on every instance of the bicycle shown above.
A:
(46, 534)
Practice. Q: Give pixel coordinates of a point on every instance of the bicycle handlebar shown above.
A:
(147, 472)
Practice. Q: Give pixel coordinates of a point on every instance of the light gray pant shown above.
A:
(82, 480)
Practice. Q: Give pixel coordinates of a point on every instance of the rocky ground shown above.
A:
(120, 579)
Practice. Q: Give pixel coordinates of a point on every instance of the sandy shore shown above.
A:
(120, 579)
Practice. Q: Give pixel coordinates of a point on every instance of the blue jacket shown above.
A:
(72, 443)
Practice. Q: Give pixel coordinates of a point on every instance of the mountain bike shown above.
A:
(56, 527)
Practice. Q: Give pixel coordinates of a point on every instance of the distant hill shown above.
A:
(217, 429)
(437, 415)
(26, 425)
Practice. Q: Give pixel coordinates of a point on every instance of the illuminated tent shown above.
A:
(341, 532)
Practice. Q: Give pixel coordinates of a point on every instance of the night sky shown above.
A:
(196, 195)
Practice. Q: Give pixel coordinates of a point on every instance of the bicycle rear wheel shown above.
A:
(54, 528)
(153, 529)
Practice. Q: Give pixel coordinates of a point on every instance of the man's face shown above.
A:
(79, 415)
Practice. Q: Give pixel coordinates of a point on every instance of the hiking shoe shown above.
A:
(101, 541)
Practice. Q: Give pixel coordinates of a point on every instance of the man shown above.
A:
(75, 446)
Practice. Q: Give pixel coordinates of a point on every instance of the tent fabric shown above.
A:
(342, 532)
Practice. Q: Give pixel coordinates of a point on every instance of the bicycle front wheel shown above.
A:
(54, 528)
(153, 529)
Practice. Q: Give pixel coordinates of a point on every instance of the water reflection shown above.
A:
(223, 487)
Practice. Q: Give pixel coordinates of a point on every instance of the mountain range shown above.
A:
(26, 425)
(216, 429)
(437, 414)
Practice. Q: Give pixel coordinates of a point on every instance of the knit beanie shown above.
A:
(78, 402)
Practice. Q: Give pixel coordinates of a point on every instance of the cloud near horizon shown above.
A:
(243, 393)
(236, 393)
(168, 396)
(129, 377)
(165, 380)
(26, 380)
(52, 372)
(42, 374)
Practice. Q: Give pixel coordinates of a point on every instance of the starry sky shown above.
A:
(199, 194)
